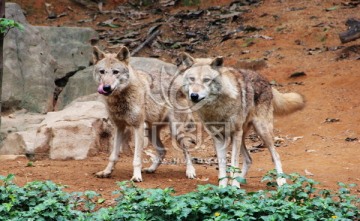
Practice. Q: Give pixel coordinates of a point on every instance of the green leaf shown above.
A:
(101, 200)
(240, 180)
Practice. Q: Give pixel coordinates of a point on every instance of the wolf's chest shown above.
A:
(122, 111)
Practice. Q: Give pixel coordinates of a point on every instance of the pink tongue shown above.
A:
(100, 89)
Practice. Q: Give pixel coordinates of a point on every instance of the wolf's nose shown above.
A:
(107, 88)
(194, 97)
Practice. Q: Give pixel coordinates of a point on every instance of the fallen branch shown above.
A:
(147, 41)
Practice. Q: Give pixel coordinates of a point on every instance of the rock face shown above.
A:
(35, 57)
(28, 66)
(82, 129)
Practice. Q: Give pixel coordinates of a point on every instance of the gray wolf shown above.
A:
(239, 99)
(129, 97)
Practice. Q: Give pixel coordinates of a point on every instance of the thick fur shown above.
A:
(131, 104)
(232, 101)
(286, 103)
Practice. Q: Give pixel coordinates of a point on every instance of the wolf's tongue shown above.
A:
(100, 89)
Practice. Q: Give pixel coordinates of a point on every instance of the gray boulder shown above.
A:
(70, 46)
(37, 56)
(28, 79)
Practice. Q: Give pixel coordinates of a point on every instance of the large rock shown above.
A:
(28, 79)
(75, 132)
(70, 46)
(82, 129)
(79, 85)
(35, 57)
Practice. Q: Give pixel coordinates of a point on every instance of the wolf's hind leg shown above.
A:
(239, 140)
(264, 127)
(154, 137)
(247, 160)
(114, 156)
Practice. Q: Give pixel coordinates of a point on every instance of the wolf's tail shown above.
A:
(287, 103)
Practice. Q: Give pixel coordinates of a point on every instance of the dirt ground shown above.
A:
(323, 139)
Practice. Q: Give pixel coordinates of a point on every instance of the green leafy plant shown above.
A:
(297, 200)
(7, 24)
(233, 170)
(37, 201)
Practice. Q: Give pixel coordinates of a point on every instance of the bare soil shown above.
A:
(322, 139)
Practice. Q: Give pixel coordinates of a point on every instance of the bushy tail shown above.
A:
(287, 103)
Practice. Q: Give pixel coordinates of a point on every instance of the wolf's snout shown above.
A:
(104, 89)
(107, 88)
(194, 97)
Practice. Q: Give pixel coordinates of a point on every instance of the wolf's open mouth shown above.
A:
(106, 93)
(197, 100)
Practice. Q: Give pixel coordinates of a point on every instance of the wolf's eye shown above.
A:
(102, 71)
(206, 80)
(115, 72)
(192, 79)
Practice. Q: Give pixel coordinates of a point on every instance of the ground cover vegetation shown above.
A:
(300, 199)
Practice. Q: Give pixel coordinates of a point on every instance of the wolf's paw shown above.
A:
(280, 181)
(136, 179)
(103, 174)
(149, 170)
(190, 172)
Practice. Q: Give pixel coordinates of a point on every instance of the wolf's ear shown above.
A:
(123, 54)
(97, 54)
(217, 62)
(185, 60)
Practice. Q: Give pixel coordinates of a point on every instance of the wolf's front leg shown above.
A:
(114, 156)
(190, 169)
(220, 146)
(139, 144)
(183, 139)
(235, 153)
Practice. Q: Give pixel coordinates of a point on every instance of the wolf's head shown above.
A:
(201, 77)
(111, 71)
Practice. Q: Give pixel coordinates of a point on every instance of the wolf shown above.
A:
(131, 105)
(231, 101)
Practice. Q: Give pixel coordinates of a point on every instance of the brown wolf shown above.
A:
(131, 103)
(229, 102)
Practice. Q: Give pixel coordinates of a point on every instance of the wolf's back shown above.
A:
(287, 103)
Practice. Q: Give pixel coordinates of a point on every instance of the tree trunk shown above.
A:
(2, 15)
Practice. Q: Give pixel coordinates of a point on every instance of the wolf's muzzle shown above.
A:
(195, 97)
(107, 88)
(104, 89)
